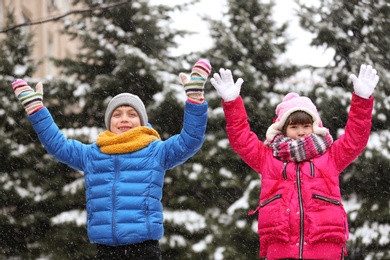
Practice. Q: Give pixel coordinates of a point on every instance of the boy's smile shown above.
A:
(123, 119)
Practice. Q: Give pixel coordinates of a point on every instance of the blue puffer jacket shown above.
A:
(124, 191)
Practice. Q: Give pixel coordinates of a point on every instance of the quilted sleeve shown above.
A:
(68, 151)
(356, 134)
(179, 148)
(243, 141)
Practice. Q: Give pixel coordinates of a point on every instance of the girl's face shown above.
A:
(297, 131)
(123, 119)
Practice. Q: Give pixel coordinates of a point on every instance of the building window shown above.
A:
(52, 5)
(26, 29)
(65, 5)
(1, 13)
(50, 54)
(99, 2)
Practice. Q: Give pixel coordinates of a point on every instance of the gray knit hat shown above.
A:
(126, 99)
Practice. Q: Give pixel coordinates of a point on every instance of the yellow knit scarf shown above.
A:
(133, 140)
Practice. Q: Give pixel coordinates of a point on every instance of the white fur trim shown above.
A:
(276, 128)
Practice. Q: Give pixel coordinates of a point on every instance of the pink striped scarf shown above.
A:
(287, 149)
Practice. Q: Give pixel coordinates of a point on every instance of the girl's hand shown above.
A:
(365, 84)
(225, 85)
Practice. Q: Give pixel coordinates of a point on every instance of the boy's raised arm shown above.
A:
(30, 99)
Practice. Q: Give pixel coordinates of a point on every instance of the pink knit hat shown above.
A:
(293, 102)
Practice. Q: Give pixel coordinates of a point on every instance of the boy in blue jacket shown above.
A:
(124, 169)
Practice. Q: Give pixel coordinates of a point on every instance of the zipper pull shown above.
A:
(285, 170)
(250, 213)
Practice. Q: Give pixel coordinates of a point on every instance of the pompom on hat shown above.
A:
(293, 102)
(126, 99)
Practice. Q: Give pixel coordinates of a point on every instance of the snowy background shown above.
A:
(299, 52)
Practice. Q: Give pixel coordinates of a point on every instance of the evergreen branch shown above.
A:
(55, 18)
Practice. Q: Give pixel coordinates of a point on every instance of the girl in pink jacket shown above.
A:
(300, 214)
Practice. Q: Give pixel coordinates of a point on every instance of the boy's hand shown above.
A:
(365, 84)
(31, 100)
(225, 85)
(194, 84)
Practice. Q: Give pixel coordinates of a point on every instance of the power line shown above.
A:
(55, 18)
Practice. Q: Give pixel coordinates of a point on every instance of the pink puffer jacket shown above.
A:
(300, 214)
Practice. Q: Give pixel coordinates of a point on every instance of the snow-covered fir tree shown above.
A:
(122, 49)
(23, 192)
(206, 200)
(222, 188)
(357, 32)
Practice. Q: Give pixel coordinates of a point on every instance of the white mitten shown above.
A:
(225, 85)
(365, 84)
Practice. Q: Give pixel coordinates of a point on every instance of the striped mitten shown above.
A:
(31, 100)
(194, 84)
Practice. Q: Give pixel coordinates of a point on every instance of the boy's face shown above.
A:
(297, 131)
(123, 119)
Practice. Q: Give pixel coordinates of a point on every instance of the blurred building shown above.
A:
(48, 41)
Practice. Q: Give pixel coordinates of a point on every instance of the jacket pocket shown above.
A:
(326, 220)
(273, 220)
(326, 199)
(147, 215)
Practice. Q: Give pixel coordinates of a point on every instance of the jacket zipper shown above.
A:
(147, 219)
(312, 169)
(114, 238)
(265, 203)
(278, 196)
(330, 200)
(285, 171)
(301, 213)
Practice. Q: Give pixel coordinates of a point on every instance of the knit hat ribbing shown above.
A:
(293, 102)
(126, 99)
